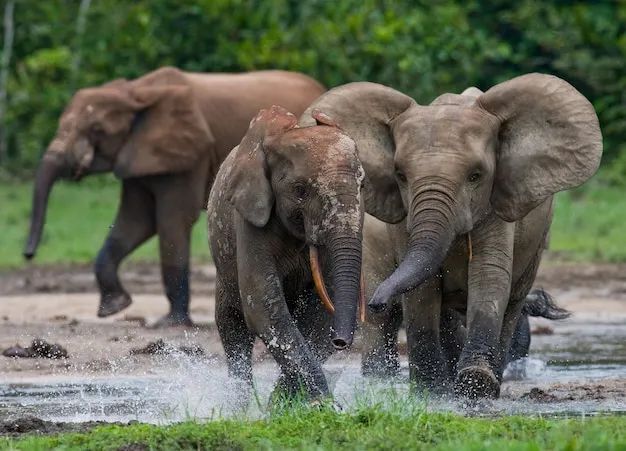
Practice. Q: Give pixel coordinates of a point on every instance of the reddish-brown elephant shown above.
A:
(164, 136)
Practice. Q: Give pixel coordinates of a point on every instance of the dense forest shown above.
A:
(52, 48)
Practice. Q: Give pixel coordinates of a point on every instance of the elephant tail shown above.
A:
(539, 303)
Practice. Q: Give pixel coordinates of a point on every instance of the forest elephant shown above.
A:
(285, 222)
(164, 135)
(471, 179)
(380, 356)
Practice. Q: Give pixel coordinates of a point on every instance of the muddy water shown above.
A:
(578, 369)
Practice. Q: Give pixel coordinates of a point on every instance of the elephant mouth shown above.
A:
(320, 286)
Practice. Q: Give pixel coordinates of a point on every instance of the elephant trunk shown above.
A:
(50, 169)
(345, 254)
(431, 236)
(345, 266)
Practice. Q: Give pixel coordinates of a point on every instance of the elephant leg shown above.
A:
(134, 225)
(174, 224)
(267, 314)
(380, 357)
(489, 291)
(422, 309)
(236, 338)
(453, 337)
(313, 322)
(520, 341)
(514, 323)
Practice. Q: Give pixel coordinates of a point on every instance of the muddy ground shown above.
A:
(58, 304)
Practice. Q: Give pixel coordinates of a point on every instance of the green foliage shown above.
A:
(366, 428)
(420, 47)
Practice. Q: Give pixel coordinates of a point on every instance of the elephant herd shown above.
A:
(334, 213)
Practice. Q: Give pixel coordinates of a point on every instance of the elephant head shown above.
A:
(310, 179)
(448, 165)
(147, 126)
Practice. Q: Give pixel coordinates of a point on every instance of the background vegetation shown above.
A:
(420, 47)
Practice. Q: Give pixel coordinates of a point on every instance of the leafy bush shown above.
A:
(422, 48)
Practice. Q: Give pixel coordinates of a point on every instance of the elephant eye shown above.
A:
(300, 191)
(96, 133)
(400, 175)
(474, 177)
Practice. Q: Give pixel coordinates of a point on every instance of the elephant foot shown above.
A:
(112, 304)
(477, 382)
(173, 320)
(291, 392)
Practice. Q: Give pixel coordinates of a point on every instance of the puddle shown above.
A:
(581, 369)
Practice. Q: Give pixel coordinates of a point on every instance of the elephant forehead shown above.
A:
(446, 127)
(322, 148)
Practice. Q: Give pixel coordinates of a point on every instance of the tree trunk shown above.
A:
(80, 32)
(4, 76)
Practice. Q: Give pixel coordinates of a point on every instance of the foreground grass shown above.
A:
(367, 428)
(588, 223)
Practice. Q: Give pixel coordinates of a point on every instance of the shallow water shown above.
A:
(185, 388)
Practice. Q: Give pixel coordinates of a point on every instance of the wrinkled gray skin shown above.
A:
(486, 165)
(283, 190)
(164, 136)
(380, 332)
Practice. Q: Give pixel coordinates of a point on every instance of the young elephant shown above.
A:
(283, 194)
(473, 178)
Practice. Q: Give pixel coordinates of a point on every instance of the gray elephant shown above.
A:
(285, 232)
(472, 180)
(380, 332)
(164, 135)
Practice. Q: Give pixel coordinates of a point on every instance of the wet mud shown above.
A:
(118, 369)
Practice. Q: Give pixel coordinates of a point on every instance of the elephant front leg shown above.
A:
(453, 337)
(380, 342)
(236, 339)
(489, 288)
(422, 310)
(133, 226)
(174, 229)
(301, 371)
(515, 335)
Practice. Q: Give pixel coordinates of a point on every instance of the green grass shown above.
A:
(78, 220)
(367, 428)
(588, 224)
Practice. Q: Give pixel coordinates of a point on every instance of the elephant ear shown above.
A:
(365, 111)
(549, 141)
(248, 186)
(169, 133)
